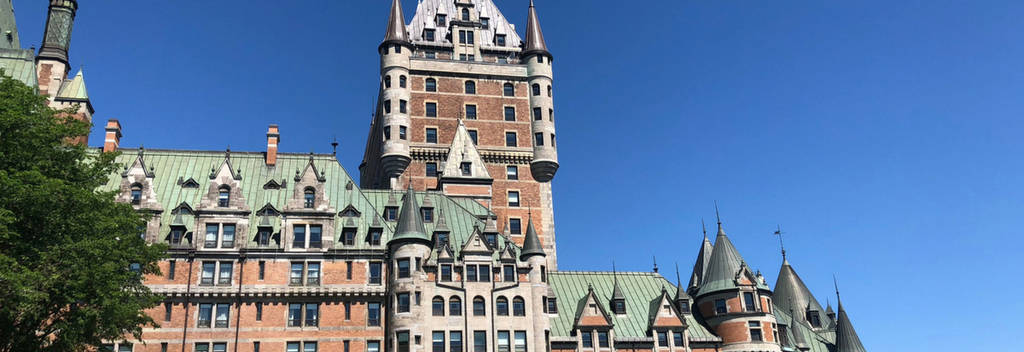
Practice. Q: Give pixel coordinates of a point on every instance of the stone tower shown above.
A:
(465, 107)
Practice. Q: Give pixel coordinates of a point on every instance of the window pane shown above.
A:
(373, 346)
(512, 172)
(228, 239)
(309, 347)
(202, 347)
(296, 274)
(501, 306)
(437, 340)
(470, 273)
(431, 135)
(375, 273)
(519, 307)
(312, 314)
(315, 236)
(403, 302)
(205, 315)
(479, 341)
(503, 341)
(299, 241)
(211, 235)
(510, 139)
(373, 314)
(455, 340)
(293, 347)
(225, 273)
(431, 109)
(455, 306)
(208, 271)
(515, 226)
(313, 274)
(223, 312)
(403, 268)
(295, 314)
(588, 339)
(520, 341)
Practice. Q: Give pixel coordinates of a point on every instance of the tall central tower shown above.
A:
(465, 107)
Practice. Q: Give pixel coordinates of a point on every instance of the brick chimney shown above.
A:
(273, 138)
(113, 139)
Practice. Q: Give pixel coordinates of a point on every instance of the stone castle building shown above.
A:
(445, 243)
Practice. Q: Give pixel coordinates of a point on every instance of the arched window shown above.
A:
(536, 89)
(136, 193)
(479, 307)
(455, 306)
(465, 14)
(549, 91)
(310, 197)
(224, 196)
(431, 85)
(501, 306)
(518, 307)
(387, 81)
(437, 306)
(510, 90)
(401, 81)
(470, 87)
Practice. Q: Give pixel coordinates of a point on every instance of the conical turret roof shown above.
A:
(701, 265)
(396, 32)
(846, 337)
(791, 293)
(410, 223)
(531, 245)
(534, 36)
(723, 265)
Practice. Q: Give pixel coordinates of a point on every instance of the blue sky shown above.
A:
(884, 136)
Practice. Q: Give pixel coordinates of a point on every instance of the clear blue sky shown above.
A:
(885, 136)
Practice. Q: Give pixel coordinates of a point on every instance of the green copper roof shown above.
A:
(19, 64)
(410, 222)
(790, 288)
(473, 207)
(846, 337)
(172, 169)
(73, 89)
(803, 334)
(724, 264)
(701, 265)
(8, 26)
(639, 289)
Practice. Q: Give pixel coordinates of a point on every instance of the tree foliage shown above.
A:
(66, 249)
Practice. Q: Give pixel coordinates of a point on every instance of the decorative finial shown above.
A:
(655, 263)
(704, 228)
(836, 283)
(334, 146)
(719, 217)
(778, 232)
(679, 280)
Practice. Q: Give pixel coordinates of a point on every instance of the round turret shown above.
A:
(542, 112)
(396, 95)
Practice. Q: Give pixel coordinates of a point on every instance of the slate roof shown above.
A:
(724, 264)
(701, 265)
(801, 333)
(639, 289)
(427, 11)
(846, 337)
(171, 166)
(790, 288)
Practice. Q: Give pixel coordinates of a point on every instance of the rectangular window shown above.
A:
(552, 306)
(312, 314)
(293, 347)
(403, 106)
(375, 278)
(520, 341)
(588, 339)
(295, 278)
(431, 55)
(346, 344)
(510, 113)
(373, 314)
(299, 238)
(538, 139)
(402, 133)
(471, 112)
(551, 114)
(515, 226)
(315, 236)
(510, 139)
(479, 341)
(431, 109)
(512, 172)
(677, 338)
(348, 270)
(391, 213)
(387, 133)
(602, 339)
(513, 198)
(466, 168)
(403, 302)
(263, 236)
(211, 236)
(462, 37)
(663, 338)
(431, 135)
(428, 215)
(504, 345)
(510, 273)
(309, 347)
(348, 236)
(537, 116)
(177, 233)
(402, 338)
(374, 236)
(720, 307)
(748, 300)
(455, 341)
(469, 39)
(470, 273)
(437, 341)
(387, 106)
(224, 277)
(255, 346)
(259, 311)
(168, 307)
(446, 272)
(499, 40)
(170, 270)
(472, 135)
(202, 347)
(228, 237)
(441, 20)
(313, 274)
(223, 315)
(403, 268)
(209, 269)
(263, 270)
(205, 315)
(428, 35)
(485, 273)
(462, 57)
(431, 169)
(755, 331)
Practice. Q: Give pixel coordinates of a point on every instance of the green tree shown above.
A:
(71, 260)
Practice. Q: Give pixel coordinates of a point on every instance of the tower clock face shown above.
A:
(59, 32)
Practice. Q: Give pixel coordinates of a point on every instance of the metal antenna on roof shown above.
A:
(778, 232)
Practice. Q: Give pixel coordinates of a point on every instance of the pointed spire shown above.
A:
(396, 32)
(75, 89)
(534, 36)
(410, 223)
(531, 245)
(723, 265)
(616, 290)
(703, 257)
(8, 27)
(680, 290)
(846, 337)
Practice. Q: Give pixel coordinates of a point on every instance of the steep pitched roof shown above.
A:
(73, 89)
(791, 293)
(723, 265)
(19, 64)
(426, 16)
(462, 150)
(531, 244)
(846, 337)
(8, 26)
(534, 36)
(396, 32)
(410, 222)
(701, 265)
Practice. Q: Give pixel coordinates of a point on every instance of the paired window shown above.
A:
(509, 90)
(513, 198)
(224, 196)
(222, 234)
(431, 85)
(663, 338)
(470, 87)
(219, 272)
(515, 226)
(677, 338)
(602, 339)
(471, 112)
(303, 314)
(510, 113)
(473, 270)
(431, 109)
(307, 236)
(303, 273)
(217, 347)
(510, 139)
(305, 347)
(309, 197)
(432, 135)
(431, 170)
(588, 339)
(214, 315)
(466, 37)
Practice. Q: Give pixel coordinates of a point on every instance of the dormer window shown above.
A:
(465, 14)
(428, 35)
(224, 197)
(684, 306)
(442, 20)
(492, 239)
(263, 236)
(619, 306)
(499, 40)
(177, 234)
(485, 22)
(136, 194)
(310, 197)
(391, 213)
(428, 214)
(374, 236)
(813, 318)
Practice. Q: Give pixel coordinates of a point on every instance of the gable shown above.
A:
(463, 152)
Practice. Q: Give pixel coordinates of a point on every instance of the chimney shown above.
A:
(113, 139)
(273, 138)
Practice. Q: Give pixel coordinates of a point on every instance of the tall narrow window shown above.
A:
(437, 341)
(209, 269)
(510, 113)
(431, 109)
(504, 345)
(403, 302)
(403, 268)
(227, 236)
(479, 307)
(171, 269)
(373, 314)
(312, 314)
(432, 135)
(473, 136)
(471, 112)
(513, 198)
(136, 194)
(588, 339)
(223, 315)
(224, 278)
(509, 90)
(549, 91)
(387, 106)
(403, 106)
(375, 278)
(748, 300)
(259, 311)
(313, 274)
(479, 341)
(470, 87)
(309, 195)
(446, 272)
(402, 130)
(465, 14)
(455, 341)
(501, 306)
(431, 85)
(224, 196)
(510, 139)
(387, 82)
(295, 276)
(536, 89)
(518, 307)
(455, 306)
(537, 115)
(402, 81)
(168, 308)
(299, 238)
(212, 232)
(437, 306)
(509, 273)
(538, 139)
(520, 341)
